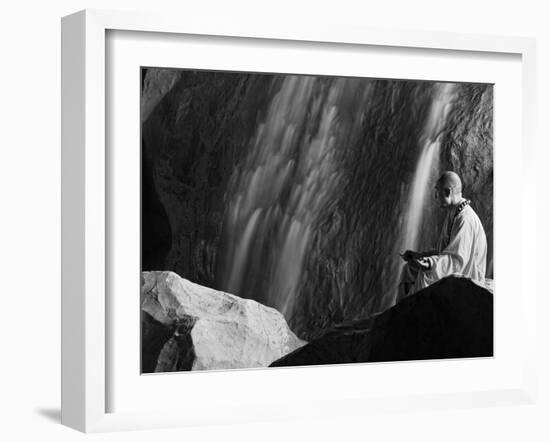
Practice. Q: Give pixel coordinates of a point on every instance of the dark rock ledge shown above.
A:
(450, 319)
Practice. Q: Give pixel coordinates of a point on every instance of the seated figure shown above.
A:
(462, 245)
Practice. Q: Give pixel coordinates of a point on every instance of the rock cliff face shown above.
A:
(192, 137)
(199, 130)
(468, 145)
(189, 327)
(450, 319)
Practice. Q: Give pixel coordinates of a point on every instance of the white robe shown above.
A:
(465, 254)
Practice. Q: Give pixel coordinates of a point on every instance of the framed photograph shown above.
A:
(276, 222)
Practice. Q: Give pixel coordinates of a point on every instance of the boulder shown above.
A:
(186, 326)
(452, 318)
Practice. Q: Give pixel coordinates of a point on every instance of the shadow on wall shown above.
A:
(156, 237)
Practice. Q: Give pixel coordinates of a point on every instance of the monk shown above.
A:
(462, 245)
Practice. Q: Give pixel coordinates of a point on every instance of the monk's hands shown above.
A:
(409, 256)
(416, 260)
(420, 264)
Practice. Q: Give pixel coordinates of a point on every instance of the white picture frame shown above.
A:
(85, 202)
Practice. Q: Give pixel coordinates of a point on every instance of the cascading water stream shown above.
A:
(278, 193)
(427, 169)
(289, 179)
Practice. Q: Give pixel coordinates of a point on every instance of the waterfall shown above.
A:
(276, 196)
(427, 170)
(290, 178)
(427, 167)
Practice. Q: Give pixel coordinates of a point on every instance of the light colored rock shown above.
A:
(226, 331)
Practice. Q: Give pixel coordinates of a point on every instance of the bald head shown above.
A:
(449, 180)
(449, 190)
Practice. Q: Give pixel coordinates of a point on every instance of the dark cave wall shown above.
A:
(191, 140)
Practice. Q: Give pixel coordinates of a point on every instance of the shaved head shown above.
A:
(448, 190)
(450, 180)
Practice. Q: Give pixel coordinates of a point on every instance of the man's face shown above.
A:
(444, 195)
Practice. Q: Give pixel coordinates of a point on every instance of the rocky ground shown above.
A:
(189, 327)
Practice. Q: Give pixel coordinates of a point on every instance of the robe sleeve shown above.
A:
(453, 258)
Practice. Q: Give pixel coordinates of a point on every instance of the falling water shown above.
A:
(428, 164)
(278, 193)
(427, 168)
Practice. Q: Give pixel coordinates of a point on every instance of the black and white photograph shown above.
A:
(301, 220)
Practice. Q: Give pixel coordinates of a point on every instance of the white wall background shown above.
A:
(30, 216)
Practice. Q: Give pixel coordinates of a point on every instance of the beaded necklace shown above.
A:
(459, 209)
